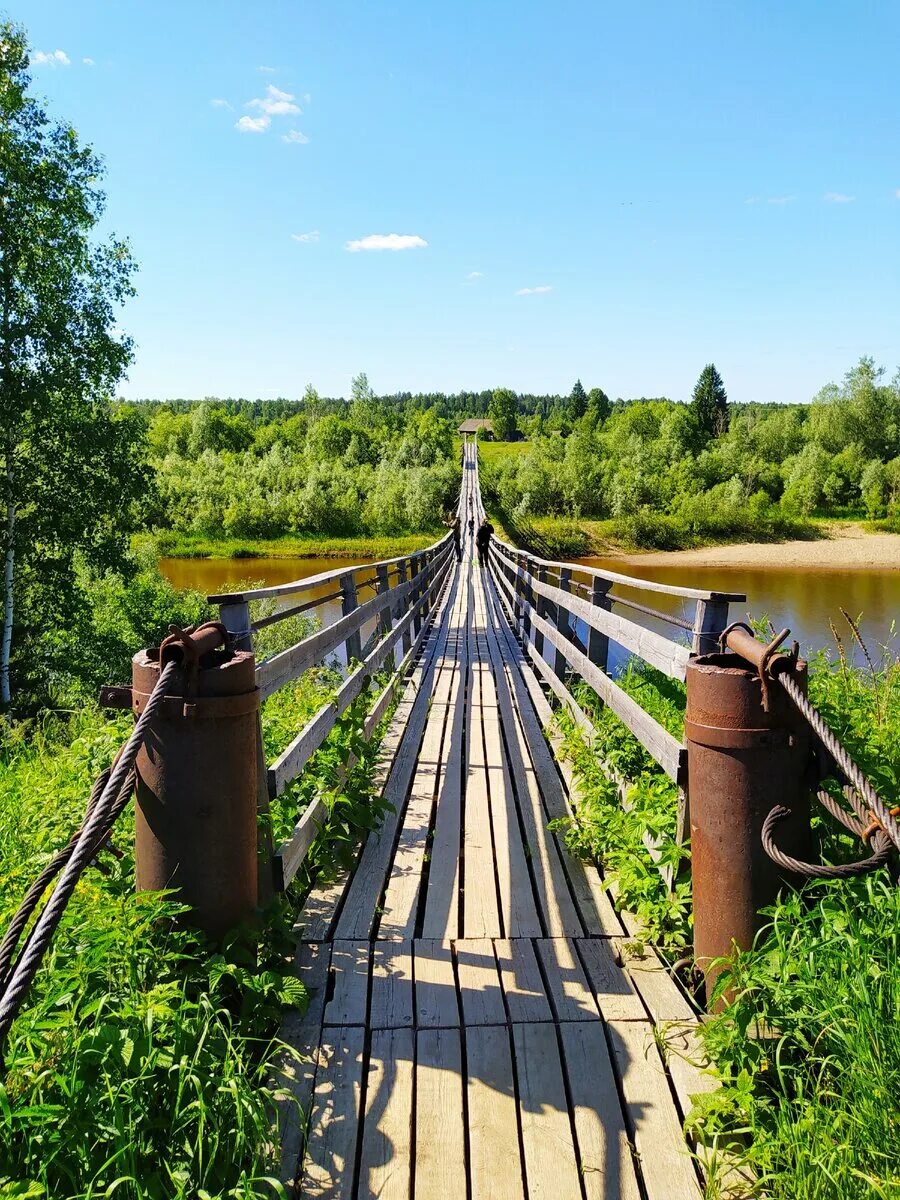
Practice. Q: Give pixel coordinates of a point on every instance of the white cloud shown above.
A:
(253, 124)
(838, 198)
(535, 291)
(275, 103)
(474, 275)
(218, 102)
(781, 200)
(312, 236)
(53, 58)
(88, 62)
(295, 136)
(387, 241)
(897, 194)
(266, 70)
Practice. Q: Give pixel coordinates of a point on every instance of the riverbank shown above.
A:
(182, 545)
(842, 546)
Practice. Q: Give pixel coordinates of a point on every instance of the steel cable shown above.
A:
(93, 832)
(881, 853)
(869, 797)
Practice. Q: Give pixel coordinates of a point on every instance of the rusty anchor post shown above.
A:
(195, 816)
(748, 750)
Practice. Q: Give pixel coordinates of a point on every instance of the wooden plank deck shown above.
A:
(480, 1025)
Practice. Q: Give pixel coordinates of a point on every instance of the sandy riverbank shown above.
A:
(848, 548)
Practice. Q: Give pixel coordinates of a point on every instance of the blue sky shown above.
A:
(620, 192)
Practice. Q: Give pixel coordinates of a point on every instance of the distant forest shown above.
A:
(663, 473)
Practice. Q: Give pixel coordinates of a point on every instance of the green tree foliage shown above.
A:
(599, 406)
(72, 465)
(502, 412)
(710, 403)
(578, 402)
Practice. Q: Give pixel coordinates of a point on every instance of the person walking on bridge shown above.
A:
(483, 541)
(456, 528)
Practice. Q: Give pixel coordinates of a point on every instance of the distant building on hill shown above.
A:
(477, 426)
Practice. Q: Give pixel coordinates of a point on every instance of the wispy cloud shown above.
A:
(267, 70)
(897, 193)
(838, 198)
(536, 291)
(253, 124)
(387, 241)
(473, 275)
(295, 136)
(275, 103)
(88, 62)
(51, 58)
(218, 102)
(312, 236)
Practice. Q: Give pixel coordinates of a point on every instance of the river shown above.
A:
(805, 600)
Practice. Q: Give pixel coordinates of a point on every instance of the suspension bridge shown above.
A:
(483, 1022)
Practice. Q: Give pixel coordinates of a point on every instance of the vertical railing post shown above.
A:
(527, 597)
(415, 566)
(349, 604)
(598, 643)
(562, 622)
(541, 610)
(710, 620)
(235, 616)
(384, 586)
(747, 750)
(402, 577)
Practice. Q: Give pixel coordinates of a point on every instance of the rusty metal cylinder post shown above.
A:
(748, 750)
(195, 816)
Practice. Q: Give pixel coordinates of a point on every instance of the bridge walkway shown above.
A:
(481, 1024)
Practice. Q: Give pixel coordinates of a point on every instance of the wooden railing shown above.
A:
(565, 615)
(406, 590)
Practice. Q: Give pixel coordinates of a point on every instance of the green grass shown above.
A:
(492, 452)
(140, 1066)
(170, 544)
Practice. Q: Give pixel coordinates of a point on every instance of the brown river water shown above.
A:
(805, 600)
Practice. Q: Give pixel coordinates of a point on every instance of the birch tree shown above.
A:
(68, 461)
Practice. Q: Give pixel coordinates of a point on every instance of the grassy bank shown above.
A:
(170, 544)
(813, 1111)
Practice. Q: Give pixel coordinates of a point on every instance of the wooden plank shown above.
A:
(359, 913)
(330, 1161)
(441, 919)
(401, 900)
(494, 1160)
(350, 984)
(481, 907)
(294, 1068)
(614, 991)
(435, 985)
(440, 1136)
(319, 910)
(385, 1169)
(664, 1158)
(480, 992)
(391, 1005)
(551, 1164)
(557, 908)
(605, 1153)
(593, 903)
(523, 987)
(568, 990)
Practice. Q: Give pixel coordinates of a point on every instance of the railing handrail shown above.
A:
(649, 585)
(302, 585)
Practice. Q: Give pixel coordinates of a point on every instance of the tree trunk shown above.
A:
(8, 575)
